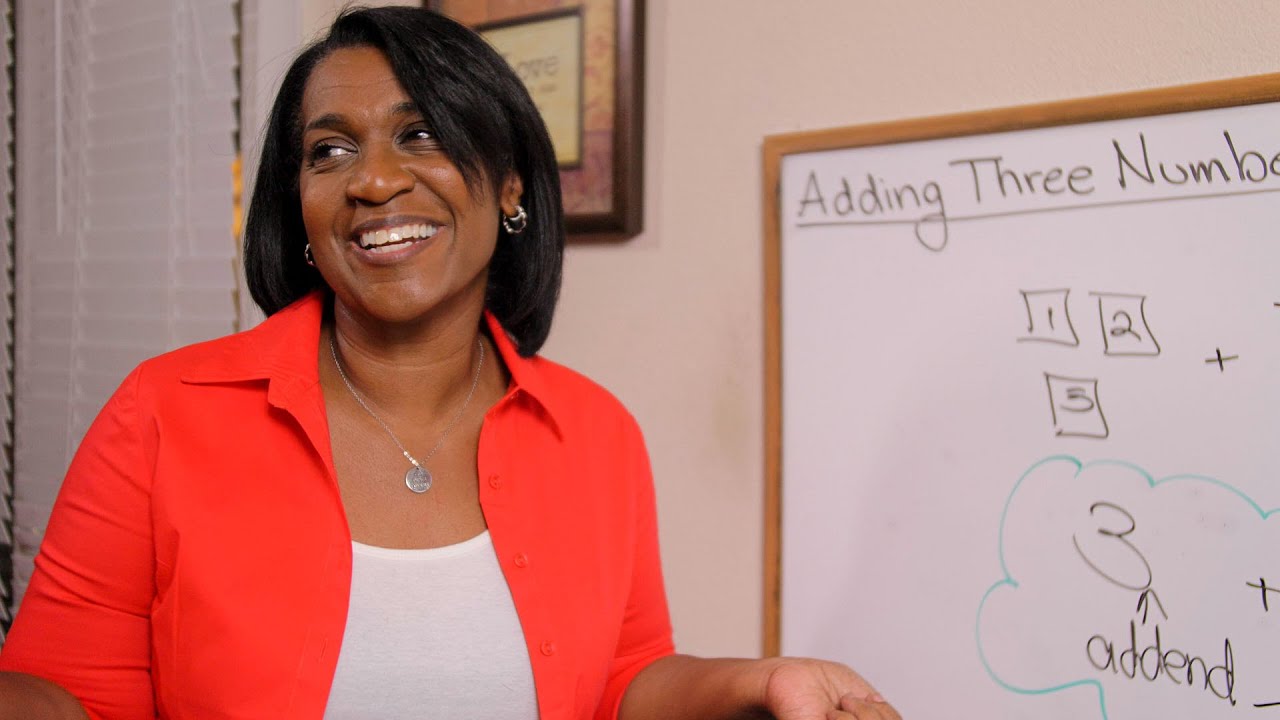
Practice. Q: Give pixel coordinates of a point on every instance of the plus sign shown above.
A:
(1220, 359)
(1262, 585)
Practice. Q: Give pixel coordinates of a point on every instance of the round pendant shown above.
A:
(418, 479)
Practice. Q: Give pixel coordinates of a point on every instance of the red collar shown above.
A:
(284, 351)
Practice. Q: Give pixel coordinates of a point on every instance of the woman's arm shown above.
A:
(681, 687)
(84, 621)
(27, 697)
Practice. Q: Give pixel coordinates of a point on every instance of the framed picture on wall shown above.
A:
(583, 62)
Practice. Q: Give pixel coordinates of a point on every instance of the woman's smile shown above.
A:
(391, 240)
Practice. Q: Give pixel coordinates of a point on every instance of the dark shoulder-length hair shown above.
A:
(486, 124)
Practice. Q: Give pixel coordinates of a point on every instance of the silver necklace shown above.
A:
(418, 478)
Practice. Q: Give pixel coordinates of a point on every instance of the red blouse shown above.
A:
(198, 561)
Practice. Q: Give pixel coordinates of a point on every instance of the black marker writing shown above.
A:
(875, 198)
(1155, 660)
(1119, 530)
(1025, 182)
(1249, 166)
(1262, 586)
(1220, 359)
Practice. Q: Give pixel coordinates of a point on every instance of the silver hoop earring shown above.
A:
(306, 254)
(516, 223)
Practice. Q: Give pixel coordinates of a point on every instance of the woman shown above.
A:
(380, 502)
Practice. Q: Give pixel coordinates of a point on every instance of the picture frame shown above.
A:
(598, 129)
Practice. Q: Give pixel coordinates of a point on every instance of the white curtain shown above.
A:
(125, 121)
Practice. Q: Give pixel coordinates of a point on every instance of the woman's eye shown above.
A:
(418, 135)
(324, 151)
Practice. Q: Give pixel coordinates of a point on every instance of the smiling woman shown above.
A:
(372, 168)
(381, 501)
(473, 119)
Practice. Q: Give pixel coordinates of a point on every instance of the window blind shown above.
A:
(123, 247)
(6, 313)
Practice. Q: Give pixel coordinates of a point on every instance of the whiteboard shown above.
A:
(1024, 406)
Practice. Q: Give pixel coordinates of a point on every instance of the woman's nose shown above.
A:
(379, 176)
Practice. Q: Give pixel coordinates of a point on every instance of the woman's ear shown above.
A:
(512, 189)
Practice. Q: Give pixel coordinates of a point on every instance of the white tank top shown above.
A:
(431, 635)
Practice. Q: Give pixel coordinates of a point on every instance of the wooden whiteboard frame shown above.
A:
(1163, 101)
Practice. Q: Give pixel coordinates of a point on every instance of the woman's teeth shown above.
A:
(388, 239)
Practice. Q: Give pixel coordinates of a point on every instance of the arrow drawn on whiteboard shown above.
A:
(1144, 604)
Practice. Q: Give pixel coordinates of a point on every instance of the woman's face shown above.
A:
(394, 228)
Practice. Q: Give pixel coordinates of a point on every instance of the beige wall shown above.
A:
(671, 321)
(317, 14)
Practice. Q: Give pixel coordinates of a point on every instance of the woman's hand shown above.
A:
(801, 689)
(680, 687)
(27, 697)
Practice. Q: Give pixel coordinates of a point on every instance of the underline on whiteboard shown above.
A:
(1035, 211)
